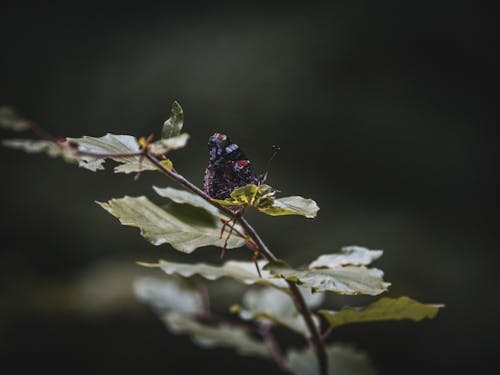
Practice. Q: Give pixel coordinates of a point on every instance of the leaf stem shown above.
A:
(297, 297)
(274, 348)
(327, 333)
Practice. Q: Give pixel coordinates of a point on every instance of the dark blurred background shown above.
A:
(386, 115)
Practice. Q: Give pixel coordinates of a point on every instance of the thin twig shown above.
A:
(327, 333)
(272, 344)
(298, 299)
(295, 293)
(109, 155)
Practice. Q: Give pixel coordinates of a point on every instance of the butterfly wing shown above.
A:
(228, 168)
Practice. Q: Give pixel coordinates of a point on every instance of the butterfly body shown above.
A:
(228, 168)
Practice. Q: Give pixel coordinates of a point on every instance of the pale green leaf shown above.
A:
(342, 360)
(212, 336)
(244, 272)
(272, 305)
(112, 144)
(383, 309)
(349, 255)
(165, 145)
(293, 205)
(42, 146)
(10, 120)
(184, 196)
(343, 280)
(172, 127)
(169, 295)
(159, 226)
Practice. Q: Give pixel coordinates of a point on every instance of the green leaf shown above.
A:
(41, 146)
(165, 145)
(345, 280)
(184, 196)
(272, 305)
(112, 144)
(383, 309)
(244, 272)
(169, 295)
(191, 215)
(50, 148)
(293, 205)
(159, 226)
(349, 255)
(10, 120)
(225, 336)
(342, 360)
(262, 197)
(258, 196)
(172, 127)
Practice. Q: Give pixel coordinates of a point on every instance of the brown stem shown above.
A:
(327, 333)
(274, 348)
(298, 299)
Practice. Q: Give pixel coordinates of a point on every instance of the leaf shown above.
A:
(342, 360)
(244, 272)
(169, 295)
(172, 127)
(112, 144)
(349, 255)
(262, 197)
(384, 309)
(165, 145)
(191, 215)
(159, 226)
(225, 336)
(258, 196)
(41, 146)
(293, 205)
(184, 196)
(10, 120)
(275, 306)
(346, 280)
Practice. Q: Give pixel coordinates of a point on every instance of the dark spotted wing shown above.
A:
(228, 168)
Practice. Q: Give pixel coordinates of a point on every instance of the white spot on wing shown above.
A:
(231, 148)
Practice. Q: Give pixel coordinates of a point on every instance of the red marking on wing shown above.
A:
(243, 163)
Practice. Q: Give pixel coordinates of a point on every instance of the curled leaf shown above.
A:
(172, 127)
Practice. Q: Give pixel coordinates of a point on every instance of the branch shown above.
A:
(297, 297)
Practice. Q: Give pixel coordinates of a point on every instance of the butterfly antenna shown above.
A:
(263, 178)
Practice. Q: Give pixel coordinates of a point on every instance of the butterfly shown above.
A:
(228, 168)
